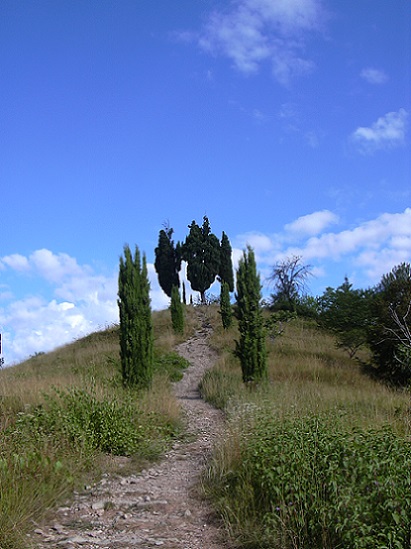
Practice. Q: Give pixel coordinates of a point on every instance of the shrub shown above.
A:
(308, 483)
(79, 418)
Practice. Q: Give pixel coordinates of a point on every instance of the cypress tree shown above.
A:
(136, 330)
(201, 250)
(177, 311)
(225, 272)
(251, 349)
(226, 311)
(167, 261)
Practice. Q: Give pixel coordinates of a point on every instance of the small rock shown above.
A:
(78, 539)
(59, 528)
(98, 505)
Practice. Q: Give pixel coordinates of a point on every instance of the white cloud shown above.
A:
(74, 302)
(312, 224)
(77, 300)
(372, 247)
(56, 267)
(387, 132)
(374, 76)
(255, 31)
(16, 262)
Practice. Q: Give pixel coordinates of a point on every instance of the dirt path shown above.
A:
(160, 505)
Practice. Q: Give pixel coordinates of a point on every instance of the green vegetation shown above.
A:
(318, 457)
(392, 299)
(250, 348)
(136, 331)
(177, 311)
(167, 260)
(346, 313)
(201, 250)
(225, 271)
(226, 310)
(62, 414)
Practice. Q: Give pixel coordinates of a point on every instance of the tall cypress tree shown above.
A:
(226, 310)
(177, 311)
(201, 250)
(225, 272)
(136, 330)
(167, 261)
(251, 349)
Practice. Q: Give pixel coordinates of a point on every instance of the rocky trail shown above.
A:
(159, 506)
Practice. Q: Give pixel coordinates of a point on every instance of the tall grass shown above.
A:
(62, 412)
(318, 457)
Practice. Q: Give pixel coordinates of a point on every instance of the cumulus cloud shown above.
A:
(56, 267)
(374, 76)
(73, 301)
(256, 31)
(77, 300)
(16, 262)
(312, 224)
(386, 133)
(371, 248)
(366, 251)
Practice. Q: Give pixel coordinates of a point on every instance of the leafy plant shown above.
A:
(312, 482)
(346, 313)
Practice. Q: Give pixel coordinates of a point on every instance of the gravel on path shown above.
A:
(161, 505)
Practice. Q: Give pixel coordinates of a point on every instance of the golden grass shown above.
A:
(307, 374)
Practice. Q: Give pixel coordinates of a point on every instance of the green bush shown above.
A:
(310, 483)
(172, 364)
(78, 417)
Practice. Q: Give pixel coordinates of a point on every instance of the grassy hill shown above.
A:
(316, 457)
(64, 414)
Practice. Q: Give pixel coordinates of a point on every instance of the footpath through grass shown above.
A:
(317, 458)
(63, 413)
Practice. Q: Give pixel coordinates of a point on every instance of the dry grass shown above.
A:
(307, 373)
(91, 365)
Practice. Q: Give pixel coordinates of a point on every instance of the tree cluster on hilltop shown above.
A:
(207, 259)
(376, 319)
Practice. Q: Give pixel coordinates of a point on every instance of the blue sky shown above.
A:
(286, 122)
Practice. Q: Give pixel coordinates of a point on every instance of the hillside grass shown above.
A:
(65, 415)
(316, 458)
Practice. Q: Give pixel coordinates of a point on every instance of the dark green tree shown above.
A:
(201, 251)
(346, 313)
(167, 260)
(136, 330)
(391, 301)
(225, 272)
(226, 311)
(251, 348)
(177, 311)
